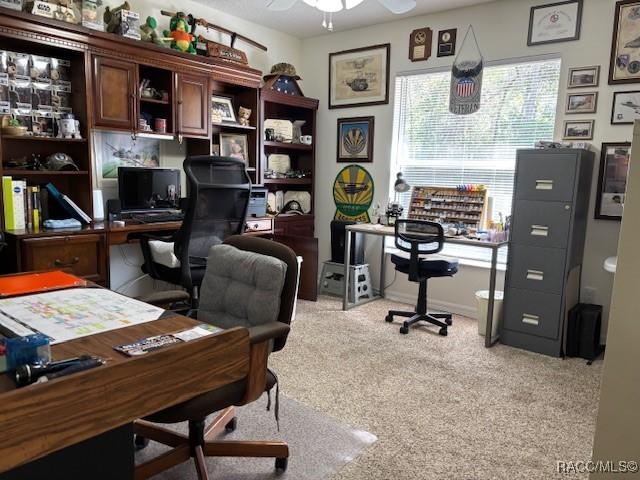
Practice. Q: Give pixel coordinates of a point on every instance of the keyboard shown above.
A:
(158, 217)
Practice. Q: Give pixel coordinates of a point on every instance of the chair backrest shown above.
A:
(218, 197)
(419, 237)
(290, 287)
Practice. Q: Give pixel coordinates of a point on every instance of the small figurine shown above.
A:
(111, 19)
(148, 33)
(183, 40)
(244, 115)
(68, 126)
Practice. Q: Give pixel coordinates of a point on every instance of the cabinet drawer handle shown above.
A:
(530, 319)
(537, 275)
(60, 263)
(544, 184)
(539, 231)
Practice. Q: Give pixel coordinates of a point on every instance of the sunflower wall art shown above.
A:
(355, 140)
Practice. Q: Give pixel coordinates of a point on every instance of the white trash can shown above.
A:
(482, 302)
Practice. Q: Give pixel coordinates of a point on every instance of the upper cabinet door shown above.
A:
(115, 93)
(193, 106)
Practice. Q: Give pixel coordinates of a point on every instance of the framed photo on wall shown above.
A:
(359, 77)
(625, 46)
(582, 102)
(555, 22)
(355, 140)
(612, 180)
(584, 77)
(578, 130)
(626, 108)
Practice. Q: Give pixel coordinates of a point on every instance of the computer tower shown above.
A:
(338, 235)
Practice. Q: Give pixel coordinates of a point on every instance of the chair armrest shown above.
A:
(267, 331)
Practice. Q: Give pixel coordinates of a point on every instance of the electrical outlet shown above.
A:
(588, 295)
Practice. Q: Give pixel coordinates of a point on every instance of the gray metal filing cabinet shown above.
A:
(550, 210)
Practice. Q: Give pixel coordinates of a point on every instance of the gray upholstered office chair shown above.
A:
(253, 284)
(420, 237)
(217, 202)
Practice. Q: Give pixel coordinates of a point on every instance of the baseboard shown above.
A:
(434, 304)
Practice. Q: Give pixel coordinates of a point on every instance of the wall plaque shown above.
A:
(420, 44)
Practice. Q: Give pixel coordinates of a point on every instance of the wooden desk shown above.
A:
(44, 418)
(85, 251)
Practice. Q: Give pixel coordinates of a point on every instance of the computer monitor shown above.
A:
(144, 189)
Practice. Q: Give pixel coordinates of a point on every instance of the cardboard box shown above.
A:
(41, 97)
(18, 65)
(20, 96)
(12, 4)
(60, 71)
(40, 69)
(5, 107)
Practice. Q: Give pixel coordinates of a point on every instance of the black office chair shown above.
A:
(420, 237)
(218, 197)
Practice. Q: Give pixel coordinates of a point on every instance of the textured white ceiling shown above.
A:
(304, 21)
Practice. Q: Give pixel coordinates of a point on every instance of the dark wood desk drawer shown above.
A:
(84, 255)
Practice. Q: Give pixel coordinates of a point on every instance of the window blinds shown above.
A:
(434, 147)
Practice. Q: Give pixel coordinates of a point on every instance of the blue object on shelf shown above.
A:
(28, 349)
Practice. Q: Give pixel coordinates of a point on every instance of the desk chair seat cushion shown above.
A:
(162, 253)
(208, 403)
(241, 288)
(427, 268)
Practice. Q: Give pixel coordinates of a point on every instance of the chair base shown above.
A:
(413, 318)
(200, 444)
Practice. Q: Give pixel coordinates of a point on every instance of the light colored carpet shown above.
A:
(441, 407)
(318, 444)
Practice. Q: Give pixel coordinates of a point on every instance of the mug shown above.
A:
(306, 139)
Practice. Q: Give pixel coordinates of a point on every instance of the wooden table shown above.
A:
(40, 419)
(385, 231)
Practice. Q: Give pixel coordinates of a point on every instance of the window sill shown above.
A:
(467, 262)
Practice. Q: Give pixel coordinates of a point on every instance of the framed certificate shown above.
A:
(555, 22)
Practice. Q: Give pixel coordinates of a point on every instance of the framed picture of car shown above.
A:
(578, 130)
(359, 77)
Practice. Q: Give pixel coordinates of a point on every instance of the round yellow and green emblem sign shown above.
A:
(353, 194)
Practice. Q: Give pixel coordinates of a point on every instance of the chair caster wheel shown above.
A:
(443, 331)
(449, 321)
(140, 442)
(404, 330)
(388, 319)
(231, 426)
(282, 464)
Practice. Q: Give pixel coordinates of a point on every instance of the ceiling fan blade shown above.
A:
(280, 5)
(399, 6)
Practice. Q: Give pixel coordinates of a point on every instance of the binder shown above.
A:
(69, 205)
(13, 199)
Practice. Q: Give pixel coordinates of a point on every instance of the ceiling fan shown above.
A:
(332, 6)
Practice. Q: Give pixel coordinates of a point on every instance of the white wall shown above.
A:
(501, 28)
(126, 260)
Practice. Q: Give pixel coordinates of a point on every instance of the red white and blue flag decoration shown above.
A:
(466, 87)
(466, 81)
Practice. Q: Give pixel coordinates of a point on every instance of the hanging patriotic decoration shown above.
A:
(466, 81)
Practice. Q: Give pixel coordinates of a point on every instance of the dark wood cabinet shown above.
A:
(115, 93)
(84, 255)
(193, 106)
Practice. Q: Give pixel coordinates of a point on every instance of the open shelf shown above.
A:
(288, 181)
(288, 146)
(234, 126)
(154, 100)
(30, 173)
(43, 139)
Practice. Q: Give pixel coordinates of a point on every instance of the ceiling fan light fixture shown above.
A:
(329, 6)
(349, 4)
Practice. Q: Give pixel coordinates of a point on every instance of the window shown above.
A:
(434, 147)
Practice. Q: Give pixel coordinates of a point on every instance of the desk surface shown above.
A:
(43, 418)
(386, 231)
